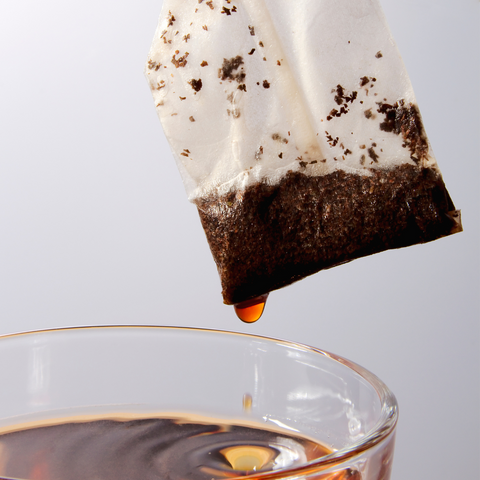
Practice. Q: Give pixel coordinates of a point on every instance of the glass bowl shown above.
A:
(183, 403)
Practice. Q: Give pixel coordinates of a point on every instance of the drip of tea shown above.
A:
(251, 310)
(247, 402)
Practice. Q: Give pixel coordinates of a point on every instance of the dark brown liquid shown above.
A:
(148, 449)
(251, 310)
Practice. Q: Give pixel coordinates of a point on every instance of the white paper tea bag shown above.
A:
(297, 134)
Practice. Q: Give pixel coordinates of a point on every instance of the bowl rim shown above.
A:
(384, 427)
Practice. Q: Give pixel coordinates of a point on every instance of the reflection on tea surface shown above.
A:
(151, 448)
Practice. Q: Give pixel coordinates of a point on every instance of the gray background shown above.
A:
(95, 227)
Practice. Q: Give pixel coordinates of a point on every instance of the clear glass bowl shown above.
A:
(132, 374)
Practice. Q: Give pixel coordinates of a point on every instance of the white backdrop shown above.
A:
(95, 227)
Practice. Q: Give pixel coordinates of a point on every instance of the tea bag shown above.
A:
(296, 131)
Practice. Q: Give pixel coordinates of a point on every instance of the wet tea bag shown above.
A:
(296, 131)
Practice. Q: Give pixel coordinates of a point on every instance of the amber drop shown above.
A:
(251, 310)
(247, 403)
